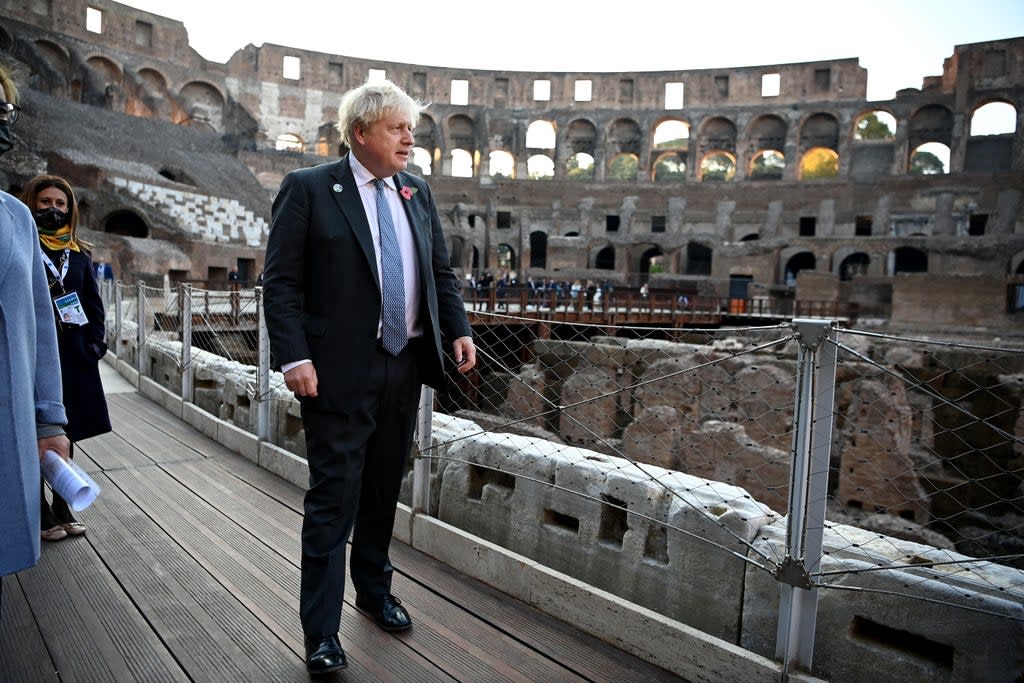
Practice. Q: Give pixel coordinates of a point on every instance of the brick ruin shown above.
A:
(698, 179)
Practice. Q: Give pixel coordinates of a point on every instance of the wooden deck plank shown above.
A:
(189, 571)
(23, 655)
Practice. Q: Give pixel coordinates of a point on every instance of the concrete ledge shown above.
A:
(172, 402)
(674, 646)
(238, 440)
(284, 464)
(200, 419)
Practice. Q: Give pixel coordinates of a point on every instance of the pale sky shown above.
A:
(899, 42)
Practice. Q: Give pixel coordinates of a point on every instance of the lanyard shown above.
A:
(59, 274)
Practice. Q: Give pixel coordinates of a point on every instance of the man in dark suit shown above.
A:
(359, 297)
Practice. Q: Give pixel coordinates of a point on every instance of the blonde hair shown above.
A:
(368, 103)
(10, 87)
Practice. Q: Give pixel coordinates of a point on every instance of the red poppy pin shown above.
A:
(407, 192)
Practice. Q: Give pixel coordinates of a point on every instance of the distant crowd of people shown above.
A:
(594, 293)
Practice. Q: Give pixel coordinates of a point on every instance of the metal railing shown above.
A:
(873, 464)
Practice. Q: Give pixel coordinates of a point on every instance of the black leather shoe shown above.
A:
(386, 611)
(324, 655)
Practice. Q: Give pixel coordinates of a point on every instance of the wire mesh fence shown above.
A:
(677, 445)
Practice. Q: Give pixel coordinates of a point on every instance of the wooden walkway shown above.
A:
(189, 572)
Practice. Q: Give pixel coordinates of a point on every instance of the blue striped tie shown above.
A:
(392, 280)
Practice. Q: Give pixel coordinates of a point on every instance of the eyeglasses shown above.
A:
(9, 113)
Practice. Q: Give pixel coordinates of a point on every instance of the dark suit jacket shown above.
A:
(322, 291)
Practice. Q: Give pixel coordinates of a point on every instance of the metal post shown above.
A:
(262, 372)
(812, 435)
(140, 337)
(185, 308)
(118, 314)
(421, 466)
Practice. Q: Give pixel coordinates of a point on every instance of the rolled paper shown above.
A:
(69, 481)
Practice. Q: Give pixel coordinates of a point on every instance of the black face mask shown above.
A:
(51, 218)
(6, 142)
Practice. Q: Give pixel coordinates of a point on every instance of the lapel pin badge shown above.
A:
(336, 187)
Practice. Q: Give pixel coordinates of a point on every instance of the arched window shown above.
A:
(767, 165)
(580, 167)
(819, 162)
(288, 142)
(540, 166)
(462, 164)
(875, 125)
(540, 135)
(605, 259)
(421, 158)
(854, 265)
(994, 118)
(802, 261)
(623, 167)
(909, 260)
(718, 167)
(931, 158)
(501, 164)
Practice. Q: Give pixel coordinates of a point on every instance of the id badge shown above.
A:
(69, 309)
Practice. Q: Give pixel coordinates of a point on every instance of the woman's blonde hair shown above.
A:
(10, 87)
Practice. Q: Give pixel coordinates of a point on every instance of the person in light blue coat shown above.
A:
(31, 412)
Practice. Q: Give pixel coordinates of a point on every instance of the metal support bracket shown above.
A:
(811, 333)
(792, 572)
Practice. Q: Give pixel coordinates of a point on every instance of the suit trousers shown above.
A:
(357, 460)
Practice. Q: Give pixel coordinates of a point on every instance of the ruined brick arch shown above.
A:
(103, 84)
(881, 113)
(602, 256)
(201, 104)
(820, 129)
(150, 98)
(425, 135)
(716, 134)
(541, 134)
(906, 260)
(717, 165)
(981, 104)
(848, 262)
(460, 133)
(669, 127)
(126, 222)
(930, 123)
(640, 257)
(58, 62)
(669, 167)
(624, 136)
(581, 136)
(792, 260)
(767, 132)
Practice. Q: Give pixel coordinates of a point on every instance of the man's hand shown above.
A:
(302, 380)
(465, 354)
(58, 444)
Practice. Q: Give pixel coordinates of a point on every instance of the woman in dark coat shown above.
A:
(79, 316)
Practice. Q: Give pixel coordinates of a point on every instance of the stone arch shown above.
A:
(878, 124)
(767, 132)
(819, 130)
(103, 85)
(501, 164)
(819, 162)
(505, 257)
(425, 135)
(460, 133)
(930, 123)
(624, 137)
(908, 260)
(669, 167)
(540, 166)
(581, 137)
(623, 167)
(201, 104)
(603, 257)
(150, 97)
(55, 69)
(718, 165)
(767, 164)
(717, 134)
(671, 133)
(997, 111)
(540, 134)
(792, 261)
(124, 222)
(642, 255)
(851, 265)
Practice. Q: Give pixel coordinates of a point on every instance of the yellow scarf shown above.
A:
(60, 239)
